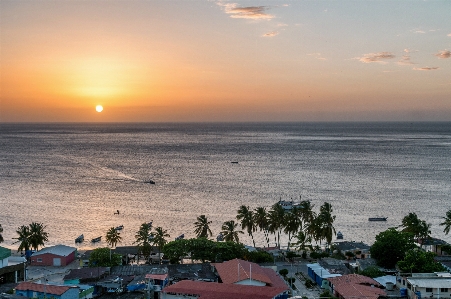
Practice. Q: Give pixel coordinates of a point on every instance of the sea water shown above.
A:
(73, 177)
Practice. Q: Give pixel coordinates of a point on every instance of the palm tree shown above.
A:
(415, 226)
(247, 220)
(113, 237)
(24, 238)
(229, 231)
(303, 241)
(327, 221)
(159, 239)
(261, 221)
(447, 222)
(202, 227)
(38, 235)
(143, 237)
(293, 224)
(276, 219)
(1, 231)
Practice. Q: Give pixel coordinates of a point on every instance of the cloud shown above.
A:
(426, 68)
(449, 35)
(420, 31)
(271, 34)
(376, 57)
(249, 12)
(317, 56)
(405, 60)
(443, 54)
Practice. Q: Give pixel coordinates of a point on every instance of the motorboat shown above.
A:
(339, 236)
(80, 239)
(377, 219)
(120, 227)
(288, 204)
(96, 239)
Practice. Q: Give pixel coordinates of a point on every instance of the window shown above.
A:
(403, 282)
(443, 290)
(39, 260)
(429, 290)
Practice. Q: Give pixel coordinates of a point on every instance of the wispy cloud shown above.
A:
(405, 60)
(249, 12)
(426, 68)
(271, 34)
(420, 31)
(449, 35)
(376, 57)
(317, 56)
(443, 54)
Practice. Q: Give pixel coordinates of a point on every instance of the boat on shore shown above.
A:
(120, 227)
(288, 205)
(80, 239)
(377, 219)
(96, 239)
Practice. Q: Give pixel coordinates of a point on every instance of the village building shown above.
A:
(59, 255)
(355, 286)
(237, 279)
(12, 268)
(41, 291)
(425, 285)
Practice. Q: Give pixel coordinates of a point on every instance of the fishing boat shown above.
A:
(377, 219)
(96, 239)
(149, 182)
(182, 236)
(120, 227)
(288, 204)
(339, 236)
(80, 239)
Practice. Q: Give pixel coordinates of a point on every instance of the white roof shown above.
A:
(430, 282)
(61, 250)
(384, 279)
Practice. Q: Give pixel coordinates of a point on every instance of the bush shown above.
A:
(318, 255)
(309, 283)
(292, 254)
(304, 255)
(283, 272)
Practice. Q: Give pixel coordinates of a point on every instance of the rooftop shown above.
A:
(61, 250)
(38, 287)
(238, 270)
(357, 286)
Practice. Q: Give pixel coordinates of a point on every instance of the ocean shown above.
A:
(73, 177)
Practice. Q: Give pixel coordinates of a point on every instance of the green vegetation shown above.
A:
(31, 236)
(416, 227)
(113, 237)
(309, 283)
(202, 227)
(390, 247)
(283, 272)
(447, 222)
(326, 294)
(246, 216)
(372, 271)
(143, 237)
(230, 232)
(103, 257)
(419, 261)
(159, 239)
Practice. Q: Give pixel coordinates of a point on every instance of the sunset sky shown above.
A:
(200, 60)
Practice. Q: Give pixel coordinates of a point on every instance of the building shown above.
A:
(237, 279)
(360, 249)
(319, 274)
(355, 286)
(41, 291)
(426, 285)
(12, 269)
(59, 255)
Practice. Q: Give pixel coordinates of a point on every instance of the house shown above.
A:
(237, 279)
(40, 291)
(12, 269)
(59, 255)
(360, 249)
(319, 274)
(84, 275)
(426, 285)
(355, 286)
(433, 245)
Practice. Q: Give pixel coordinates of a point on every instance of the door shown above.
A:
(56, 261)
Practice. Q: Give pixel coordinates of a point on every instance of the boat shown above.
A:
(80, 239)
(288, 205)
(149, 182)
(339, 236)
(377, 219)
(150, 223)
(96, 239)
(182, 236)
(120, 227)
(234, 162)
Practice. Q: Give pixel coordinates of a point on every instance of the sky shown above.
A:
(224, 61)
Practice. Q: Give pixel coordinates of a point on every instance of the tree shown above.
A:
(23, 239)
(202, 226)
(113, 237)
(419, 261)
(293, 223)
(38, 235)
(283, 272)
(103, 257)
(230, 232)
(159, 239)
(261, 221)
(415, 226)
(327, 220)
(390, 247)
(176, 250)
(304, 241)
(447, 222)
(143, 237)
(1, 231)
(276, 221)
(246, 216)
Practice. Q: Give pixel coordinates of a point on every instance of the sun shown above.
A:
(99, 108)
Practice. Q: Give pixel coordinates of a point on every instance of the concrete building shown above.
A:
(59, 255)
(426, 285)
(12, 269)
(41, 291)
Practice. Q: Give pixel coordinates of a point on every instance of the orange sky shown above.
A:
(224, 61)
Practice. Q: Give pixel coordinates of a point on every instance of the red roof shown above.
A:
(157, 276)
(238, 270)
(214, 290)
(355, 286)
(38, 287)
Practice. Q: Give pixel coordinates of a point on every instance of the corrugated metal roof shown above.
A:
(430, 282)
(61, 250)
(4, 253)
(37, 287)
(384, 279)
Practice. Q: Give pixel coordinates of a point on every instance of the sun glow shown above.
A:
(99, 108)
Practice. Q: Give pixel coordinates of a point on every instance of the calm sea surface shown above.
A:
(73, 177)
